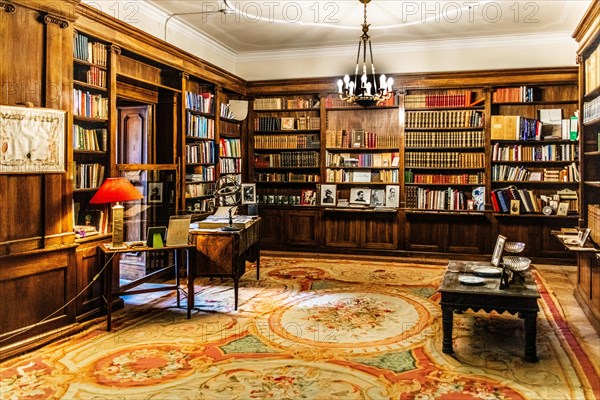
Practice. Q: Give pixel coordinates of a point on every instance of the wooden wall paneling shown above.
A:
(302, 227)
(343, 228)
(90, 302)
(167, 121)
(381, 231)
(468, 234)
(271, 232)
(425, 232)
(549, 246)
(518, 229)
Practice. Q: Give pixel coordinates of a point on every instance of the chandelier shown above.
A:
(367, 94)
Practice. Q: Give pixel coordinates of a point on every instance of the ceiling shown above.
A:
(250, 26)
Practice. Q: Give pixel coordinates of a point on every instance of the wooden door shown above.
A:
(134, 134)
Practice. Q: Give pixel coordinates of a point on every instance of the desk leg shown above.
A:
(176, 256)
(447, 321)
(530, 320)
(191, 275)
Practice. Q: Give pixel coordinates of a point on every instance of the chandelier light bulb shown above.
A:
(340, 84)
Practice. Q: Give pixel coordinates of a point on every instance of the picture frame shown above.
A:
(498, 249)
(377, 198)
(360, 196)
(328, 195)
(392, 196)
(155, 192)
(358, 137)
(583, 236)
(178, 230)
(248, 193)
(308, 197)
(515, 207)
(563, 208)
(33, 140)
(156, 236)
(287, 123)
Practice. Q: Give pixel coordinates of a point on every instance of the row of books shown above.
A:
(230, 165)
(88, 222)
(361, 176)
(445, 139)
(89, 139)
(501, 173)
(430, 159)
(90, 105)
(515, 127)
(340, 139)
(501, 200)
(444, 119)
(464, 99)
(287, 123)
(307, 159)
(592, 71)
(88, 176)
(93, 52)
(430, 199)
(201, 102)
(591, 111)
(230, 148)
(200, 153)
(385, 160)
(91, 75)
(229, 128)
(548, 152)
(456, 179)
(285, 177)
(336, 102)
(199, 189)
(199, 126)
(521, 94)
(287, 141)
(202, 173)
(282, 103)
(225, 111)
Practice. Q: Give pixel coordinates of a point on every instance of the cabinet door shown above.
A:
(468, 234)
(271, 226)
(380, 231)
(425, 232)
(302, 227)
(342, 229)
(90, 300)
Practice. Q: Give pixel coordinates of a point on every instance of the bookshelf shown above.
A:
(534, 150)
(91, 143)
(285, 141)
(231, 140)
(444, 150)
(201, 148)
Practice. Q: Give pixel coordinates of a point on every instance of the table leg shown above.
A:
(191, 270)
(176, 256)
(530, 320)
(108, 291)
(447, 321)
(257, 250)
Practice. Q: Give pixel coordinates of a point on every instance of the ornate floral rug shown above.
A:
(310, 328)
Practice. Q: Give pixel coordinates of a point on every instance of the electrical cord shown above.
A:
(94, 279)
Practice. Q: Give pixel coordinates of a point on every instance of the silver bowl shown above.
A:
(514, 247)
(516, 263)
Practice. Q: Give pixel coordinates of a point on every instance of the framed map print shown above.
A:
(32, 140)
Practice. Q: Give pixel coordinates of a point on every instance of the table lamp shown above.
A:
(115, 190)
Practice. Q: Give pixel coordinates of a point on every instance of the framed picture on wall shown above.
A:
(248, 193)
(155, 192)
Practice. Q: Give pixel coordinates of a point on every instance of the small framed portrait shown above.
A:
(287, 123)
(360, 196)
(358, 137)
(248, 193)
(515, 207)
(328, 195)
(377, 197)
(155, 192)
(392, 196)
(583, 236)
(563, 208)
(498, 249)
(308, 197)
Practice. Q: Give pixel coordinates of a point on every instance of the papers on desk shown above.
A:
(216, 222)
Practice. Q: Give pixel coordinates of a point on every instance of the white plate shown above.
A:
(487, 271)
(572, 241)
(471, 280)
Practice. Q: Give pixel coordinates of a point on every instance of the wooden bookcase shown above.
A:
(587, 35)
(231, 139)
(285, 148)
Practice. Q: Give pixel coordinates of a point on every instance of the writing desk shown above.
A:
(113, 273)
(517, 299)
(224, 253)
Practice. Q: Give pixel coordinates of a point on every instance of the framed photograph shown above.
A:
(308, 197)
(358, 137)
(328, 195)
(583, 236)
(563, 208)
(498, 249)
(360, 196)
(248, 193)
(515, 207)
(392, 196)
(377, 197)
(155, 192)
(156, 237)
(287, 123)
(179, 230)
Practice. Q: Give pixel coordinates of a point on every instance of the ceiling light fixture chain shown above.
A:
(367, 94)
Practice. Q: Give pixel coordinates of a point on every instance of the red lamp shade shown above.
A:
(115, 190)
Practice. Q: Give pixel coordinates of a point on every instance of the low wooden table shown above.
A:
(517, 299)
